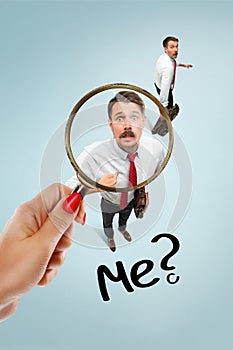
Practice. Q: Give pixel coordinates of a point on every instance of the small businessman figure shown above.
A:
(165, 74)
(125, 160)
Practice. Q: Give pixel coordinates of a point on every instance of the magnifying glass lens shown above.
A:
(101, 152)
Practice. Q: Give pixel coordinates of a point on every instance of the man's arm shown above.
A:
(185, 65)
(107, 180)
(89, 166)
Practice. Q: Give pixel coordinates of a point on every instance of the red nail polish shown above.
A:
(72, 202)
(84, 218)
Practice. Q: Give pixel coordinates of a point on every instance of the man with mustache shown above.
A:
(165, 74)
(109, 162)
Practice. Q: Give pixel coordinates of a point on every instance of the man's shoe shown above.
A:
(111, 244)
(127, 236)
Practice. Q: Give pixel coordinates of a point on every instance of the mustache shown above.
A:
(127, 133)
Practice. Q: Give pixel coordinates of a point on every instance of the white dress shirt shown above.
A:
(106, 157)
(164, 71)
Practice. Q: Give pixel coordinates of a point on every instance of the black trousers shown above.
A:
(109, 210)
(170, 96)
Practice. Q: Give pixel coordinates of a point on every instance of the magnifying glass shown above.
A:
(88, 183)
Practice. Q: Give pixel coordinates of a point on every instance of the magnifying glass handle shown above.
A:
(73, 201)
(80, 189)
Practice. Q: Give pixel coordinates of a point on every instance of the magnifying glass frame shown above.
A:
(85, 180)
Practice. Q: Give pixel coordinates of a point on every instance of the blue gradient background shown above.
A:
(52, 53)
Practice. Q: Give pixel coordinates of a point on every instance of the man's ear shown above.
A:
(144, 120)
(110, 123)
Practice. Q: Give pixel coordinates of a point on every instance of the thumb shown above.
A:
(59, 220)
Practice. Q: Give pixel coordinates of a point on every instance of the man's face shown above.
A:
(172, 49)
(127, 123)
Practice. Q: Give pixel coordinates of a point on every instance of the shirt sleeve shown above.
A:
(87, 164)
(166, 80)
(72, 182)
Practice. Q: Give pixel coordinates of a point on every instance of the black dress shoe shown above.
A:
(111, 244)
(127, 236)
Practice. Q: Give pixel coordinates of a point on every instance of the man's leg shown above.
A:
(123, 218)
(107, 224)
(161, 126)
(170, 96)
(170, 99)
(159, 122)
(108, 213)
(157, 89)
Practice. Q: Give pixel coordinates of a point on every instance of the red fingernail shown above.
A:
(72, 203)
(84, 218)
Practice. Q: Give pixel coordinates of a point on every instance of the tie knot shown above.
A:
(131, 157)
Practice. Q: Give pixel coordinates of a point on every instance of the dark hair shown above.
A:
(126, 97)
(169, 38)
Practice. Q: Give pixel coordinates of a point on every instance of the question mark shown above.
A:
(164, 261)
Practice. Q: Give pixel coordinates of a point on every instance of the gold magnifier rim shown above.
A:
(85, 180)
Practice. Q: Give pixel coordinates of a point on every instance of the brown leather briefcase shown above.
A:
(139, 202)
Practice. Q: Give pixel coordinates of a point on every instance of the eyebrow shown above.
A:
(122, 112)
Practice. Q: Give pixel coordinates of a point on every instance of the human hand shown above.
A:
(109, 180)
(34, 242)
(185, 65)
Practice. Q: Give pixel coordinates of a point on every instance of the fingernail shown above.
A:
(84, 219)
(72, 203)
(63, 256)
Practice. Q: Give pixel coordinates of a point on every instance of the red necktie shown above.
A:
(132, 180)
(174, 76)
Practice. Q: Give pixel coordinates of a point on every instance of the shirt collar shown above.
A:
(123, 154)
(171, 59)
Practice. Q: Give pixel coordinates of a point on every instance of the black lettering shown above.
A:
(121, 276)
(175, 248)
(135, 276)
(169, 278)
